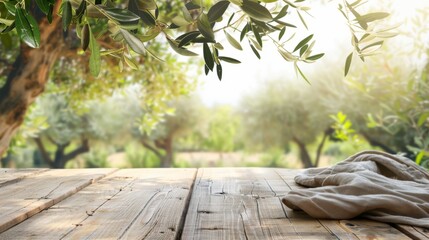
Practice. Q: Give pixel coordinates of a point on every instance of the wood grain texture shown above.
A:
(224, 203)
(413, 232)
(35, 193)
(129, 204)
(349, 229)
(245, 203)
(10, 175)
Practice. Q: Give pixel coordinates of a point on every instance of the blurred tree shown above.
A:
(279, 113)
(68, 133)
(121, 29)
(218, 131)
(391, 108)
(222, 130)
(64, 126)
(161, 141)
(396, 109)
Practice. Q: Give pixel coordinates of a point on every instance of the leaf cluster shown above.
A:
(132, 25)
(367, 37)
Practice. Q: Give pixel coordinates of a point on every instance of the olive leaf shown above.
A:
(229, 60)
(122, 16)
(27, 28)
(204, 26)
(315, 57)
(132, 41)
(348, 63)
(208, 57)
(303, 42)
(187, 37)
(232, 41)
(67, 14)
(146, 4)
(217, 10)
(95, 59)
(219, 71)
(85, 37)
(180, 50)
(256, 11)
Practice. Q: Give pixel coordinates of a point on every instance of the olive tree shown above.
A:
(186, 116)
(279, 113)
(124, 32)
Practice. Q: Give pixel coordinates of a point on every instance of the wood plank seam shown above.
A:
(341, 226)
(95, 210)
(414, 233)
(289, 219)
(91, 181)
(18, 179)
(153, 201)
(48, 204)
(186, 207)
(139, 215)
(284, 207)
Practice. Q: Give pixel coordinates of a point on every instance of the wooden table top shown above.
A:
(205, 203)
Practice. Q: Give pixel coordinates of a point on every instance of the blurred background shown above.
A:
(261, 113)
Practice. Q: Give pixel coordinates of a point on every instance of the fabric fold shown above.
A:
(371, 184)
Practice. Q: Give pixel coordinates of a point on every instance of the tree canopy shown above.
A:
(122, 28)
(98, 36)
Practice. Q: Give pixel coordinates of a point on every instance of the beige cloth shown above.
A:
(371, 184)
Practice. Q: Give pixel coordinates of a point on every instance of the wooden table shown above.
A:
(206, 203)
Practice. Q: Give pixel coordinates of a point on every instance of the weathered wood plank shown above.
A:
(245, 203)
(227, 203)
(10, 175)
(349, 229)
(35, 193)
(366, 229)
(413, 232)
(129, 204)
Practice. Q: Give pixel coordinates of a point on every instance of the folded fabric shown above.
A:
(370, 184)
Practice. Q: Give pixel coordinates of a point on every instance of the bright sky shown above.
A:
(332, 38)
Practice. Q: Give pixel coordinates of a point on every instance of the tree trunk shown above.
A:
(321, 145)
(59, 161)
(167, 159)
(61, 158)
(303, 153)
(28, 77)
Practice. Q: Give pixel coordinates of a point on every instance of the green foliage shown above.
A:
(391, 93)
(139, 157)
(403, 119)
(218, 129)
(9, 49)
(366, 38)
(343, 129)
(27, 28)
(180, 163)
(54, 117)
(280, 111)
(184, 114)
(222, 130)
(133, 26)
(64, 124)
(19, 157)
(338, 151)
(96, 158)
(273, 158)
